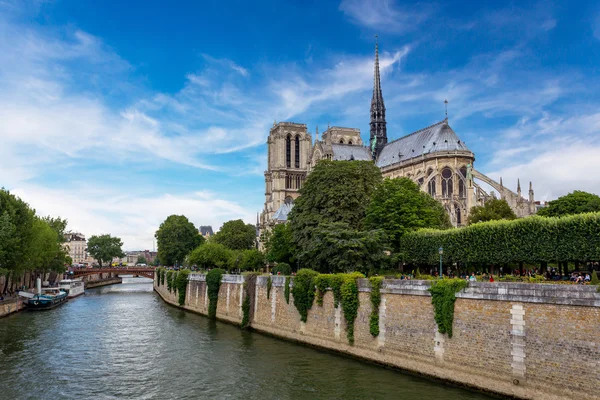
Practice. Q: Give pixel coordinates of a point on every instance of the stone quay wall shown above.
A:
(10, 306)
(530, 341)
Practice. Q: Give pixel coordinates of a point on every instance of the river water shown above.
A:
(124, 342)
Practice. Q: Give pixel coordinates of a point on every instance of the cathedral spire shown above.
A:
(518, 186)
(378, 137)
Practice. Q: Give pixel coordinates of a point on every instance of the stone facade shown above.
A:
(434, 157)
(521, 340)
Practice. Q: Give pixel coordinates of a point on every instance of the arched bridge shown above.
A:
(135, 271)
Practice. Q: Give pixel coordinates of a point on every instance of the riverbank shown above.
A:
(10, 306)
(519, 340)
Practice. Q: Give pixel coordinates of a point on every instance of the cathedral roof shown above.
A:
(437, 137)
(350, 152)
(282, 212)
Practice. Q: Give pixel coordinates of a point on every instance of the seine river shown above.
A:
(124, 342)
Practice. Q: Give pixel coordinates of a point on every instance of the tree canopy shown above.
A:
(335, 191)
(141, 260)
(335, 247)
(236, 235)
(398, 206)
(104, 248)
(577, 202)
(210, 255)
(252, 260)
(279, 245)
(28, 242)
(176, 238)
(494, 209)
(328, 217)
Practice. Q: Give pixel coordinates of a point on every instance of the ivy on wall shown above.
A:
(322, 282)
(304, 291)
(213, 282)
(181, 284)
(170, 280)
(443, 296)
(350, 302)
(286, 291)
(269, 286)
(375, 282)
(249, 293)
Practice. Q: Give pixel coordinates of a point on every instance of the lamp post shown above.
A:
(441, 251)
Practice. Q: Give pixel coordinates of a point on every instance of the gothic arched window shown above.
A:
(420, 182)
(350, 142)
(461, 187)
(447, 187)
(297, 155)
(457, 213)
(341, 141)
(431, 187)
(288, 151)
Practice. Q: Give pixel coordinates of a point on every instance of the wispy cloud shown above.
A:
(385, 15)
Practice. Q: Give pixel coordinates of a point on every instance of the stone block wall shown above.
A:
(522, 340)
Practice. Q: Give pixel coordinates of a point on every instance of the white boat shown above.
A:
(73, 288)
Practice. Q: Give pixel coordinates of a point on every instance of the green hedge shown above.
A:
(530, 240)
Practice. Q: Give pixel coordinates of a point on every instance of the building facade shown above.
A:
(76, 245)
(434, 157)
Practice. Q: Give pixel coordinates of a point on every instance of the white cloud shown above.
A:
(385, 15)
(557, 154)
(131, 217)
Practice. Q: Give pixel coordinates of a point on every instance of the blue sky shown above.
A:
(116, 114)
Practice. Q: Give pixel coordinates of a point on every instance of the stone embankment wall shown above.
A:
(531, 341)
(10, 306)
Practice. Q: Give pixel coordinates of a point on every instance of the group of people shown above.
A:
(580, 278)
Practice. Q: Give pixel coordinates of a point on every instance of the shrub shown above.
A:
(595, 280)
(322, 282)
(213, 282)
(282, 268)
(304, 291)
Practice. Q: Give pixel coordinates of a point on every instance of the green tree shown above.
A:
(104, 248)
(141, 260)
(280, 245)
(236, 235)
(16, 227)
(209, 255)
(577, 202)
(335, 191)
(337, 248)
(494, 209)
(252, 260)
(176, 238)
(398, 206)
(45, 250)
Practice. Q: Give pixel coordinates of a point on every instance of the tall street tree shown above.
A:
(494, 209)
(279, 245)
(577, 202)
(176, 238)
(398, 206)
(16, 228)
(236, 235)
(334, 192)
(104, 248)
(210, 255)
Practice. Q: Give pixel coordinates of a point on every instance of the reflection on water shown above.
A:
(123, 342)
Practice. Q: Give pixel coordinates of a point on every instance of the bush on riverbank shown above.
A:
(181, 282)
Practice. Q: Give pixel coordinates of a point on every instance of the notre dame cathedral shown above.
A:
(434, 157)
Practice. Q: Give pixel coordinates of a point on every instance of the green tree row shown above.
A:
(29, 242)
(530, 240)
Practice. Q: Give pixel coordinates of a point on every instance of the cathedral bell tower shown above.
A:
(378, 137)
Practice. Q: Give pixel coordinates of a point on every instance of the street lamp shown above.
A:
(441, 251)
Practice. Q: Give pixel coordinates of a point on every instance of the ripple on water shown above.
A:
(123, 342)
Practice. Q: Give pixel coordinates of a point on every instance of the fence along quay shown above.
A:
(530, 341)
